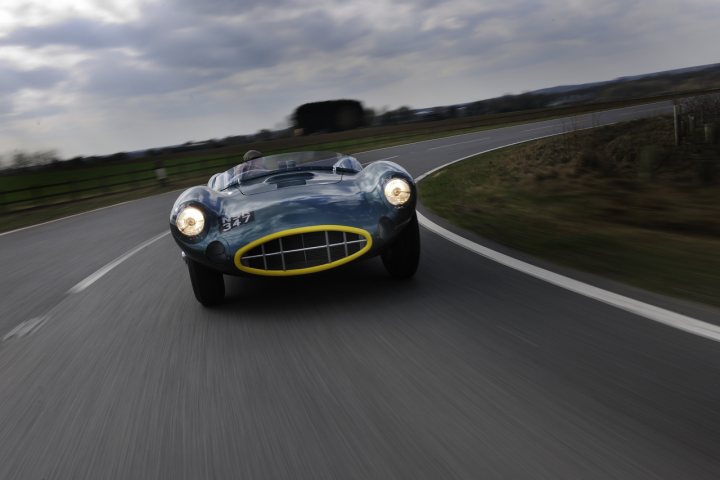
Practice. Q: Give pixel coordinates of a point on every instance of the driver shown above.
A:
(251, 155)
(245, 166)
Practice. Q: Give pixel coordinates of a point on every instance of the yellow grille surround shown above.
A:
(304, 250)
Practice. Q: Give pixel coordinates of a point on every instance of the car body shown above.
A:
(295, 214)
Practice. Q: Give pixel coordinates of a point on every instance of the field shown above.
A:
(71, 182)
(620, 201)
(40, 194)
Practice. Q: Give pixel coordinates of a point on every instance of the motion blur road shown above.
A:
(470, 370)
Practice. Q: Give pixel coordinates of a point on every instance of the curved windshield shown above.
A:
(271, 164)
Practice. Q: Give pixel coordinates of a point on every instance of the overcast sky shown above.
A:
(101, 76)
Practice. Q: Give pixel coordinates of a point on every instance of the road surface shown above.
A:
(470, 370)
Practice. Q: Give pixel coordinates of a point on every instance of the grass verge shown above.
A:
(619, 201)
(191, 168)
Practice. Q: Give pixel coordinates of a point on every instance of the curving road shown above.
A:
(110, 369)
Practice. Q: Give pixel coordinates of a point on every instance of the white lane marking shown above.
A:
(646, 310)
(26, 327)
(30, 326)
(65, 218)
(661, 315)
(460, 143)
(83, 284)
(380, 160)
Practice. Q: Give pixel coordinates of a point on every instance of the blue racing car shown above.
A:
(295, 214)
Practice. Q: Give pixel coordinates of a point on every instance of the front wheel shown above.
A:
(208, 285)
(401, 258)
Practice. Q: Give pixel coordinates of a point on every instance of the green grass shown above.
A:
(663, 236)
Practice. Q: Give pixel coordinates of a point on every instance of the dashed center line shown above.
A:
(26, 327)
(83, 284)
(29, 326)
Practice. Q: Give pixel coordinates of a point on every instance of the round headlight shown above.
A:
(397, 191)
(190, 221)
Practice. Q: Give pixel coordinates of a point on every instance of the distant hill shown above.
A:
(665, 73)
(683, 80)
(569, 88)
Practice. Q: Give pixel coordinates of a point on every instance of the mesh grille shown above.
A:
(303, 250)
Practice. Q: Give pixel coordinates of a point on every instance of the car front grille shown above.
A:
(295, 251)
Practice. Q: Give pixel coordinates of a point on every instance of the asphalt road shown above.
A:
(470, 370)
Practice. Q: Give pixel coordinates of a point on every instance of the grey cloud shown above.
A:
(217, 47)
(76, 32)
(177, 39)
(410, 39)
(227, 7)
(117, 75)
(6, 106)
(183, 44)
(255, 43)
(13, 79)
(41, 113)
(176, 55)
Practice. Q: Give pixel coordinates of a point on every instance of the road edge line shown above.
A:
(646, 310)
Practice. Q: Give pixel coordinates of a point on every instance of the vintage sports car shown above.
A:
(296, 214)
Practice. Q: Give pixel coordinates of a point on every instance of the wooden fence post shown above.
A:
(710, 134)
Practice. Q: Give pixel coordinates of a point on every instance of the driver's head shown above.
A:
(251, 155)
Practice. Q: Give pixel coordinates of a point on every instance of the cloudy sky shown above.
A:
(100, 76)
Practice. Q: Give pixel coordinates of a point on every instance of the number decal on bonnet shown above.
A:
(228, 223)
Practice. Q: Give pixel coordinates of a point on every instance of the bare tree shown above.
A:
(22, 159)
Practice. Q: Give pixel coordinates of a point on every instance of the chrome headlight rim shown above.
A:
(191, 221)
(398, 191)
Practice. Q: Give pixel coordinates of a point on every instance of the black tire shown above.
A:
(208, 285)
(402, 257)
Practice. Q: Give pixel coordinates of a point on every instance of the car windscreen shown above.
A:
(272, 164)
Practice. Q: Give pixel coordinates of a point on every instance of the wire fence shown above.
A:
(179, 171)
(58, 193)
